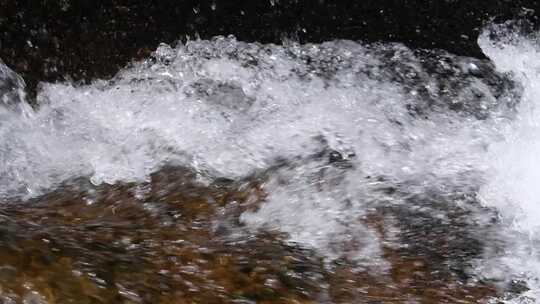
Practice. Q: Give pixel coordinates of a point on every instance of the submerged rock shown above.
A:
(164, 242)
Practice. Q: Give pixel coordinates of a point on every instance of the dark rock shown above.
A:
(335, 156)
(82, 39)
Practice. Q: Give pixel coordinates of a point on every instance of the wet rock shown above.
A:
(335, 156)
(337, 159)
(163, 245)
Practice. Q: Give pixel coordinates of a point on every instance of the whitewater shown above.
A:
(337, 129)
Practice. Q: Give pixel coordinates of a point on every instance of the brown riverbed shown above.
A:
(175, 240)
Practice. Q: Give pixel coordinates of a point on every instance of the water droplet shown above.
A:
(165, 53)
(65, 5)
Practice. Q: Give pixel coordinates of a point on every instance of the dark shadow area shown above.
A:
(47, 40)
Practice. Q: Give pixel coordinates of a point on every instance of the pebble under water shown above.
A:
(219, 171)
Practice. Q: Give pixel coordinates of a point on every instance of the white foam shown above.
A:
(514, 177)
(227, 108)
(149, 114)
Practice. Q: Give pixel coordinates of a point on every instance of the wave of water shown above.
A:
(333, 125)
(512, 177)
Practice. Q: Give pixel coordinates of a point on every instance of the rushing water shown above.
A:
(442, 148)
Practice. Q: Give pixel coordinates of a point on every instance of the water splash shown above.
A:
(513, 175)
(332, 126)
(229, 108)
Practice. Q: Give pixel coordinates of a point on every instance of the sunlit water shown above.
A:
(336, 130)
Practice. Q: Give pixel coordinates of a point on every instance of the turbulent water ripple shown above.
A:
(334, 132)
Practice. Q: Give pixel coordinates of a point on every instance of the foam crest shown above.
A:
(229, 108)
(512, 187)
(330, 124)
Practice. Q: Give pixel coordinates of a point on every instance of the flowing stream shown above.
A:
(341, 172)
